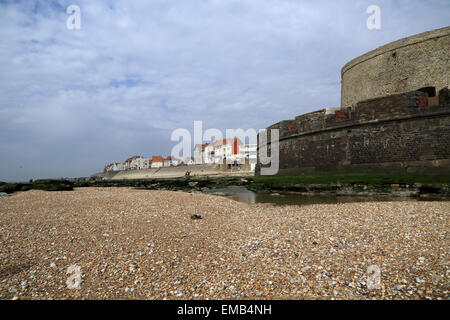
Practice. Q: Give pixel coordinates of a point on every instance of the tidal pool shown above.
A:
(244, 195)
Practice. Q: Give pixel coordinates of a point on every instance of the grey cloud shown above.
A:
(73, 100)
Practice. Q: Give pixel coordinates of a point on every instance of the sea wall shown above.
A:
(174, 172)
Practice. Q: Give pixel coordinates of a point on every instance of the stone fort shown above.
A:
(394, 115)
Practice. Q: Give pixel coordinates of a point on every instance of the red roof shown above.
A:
(168, 158)
(157, 159)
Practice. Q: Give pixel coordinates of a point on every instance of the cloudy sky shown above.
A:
(73, 100)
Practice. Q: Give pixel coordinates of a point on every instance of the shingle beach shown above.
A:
(140, 244)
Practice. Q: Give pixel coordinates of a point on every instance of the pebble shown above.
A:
(24, 284)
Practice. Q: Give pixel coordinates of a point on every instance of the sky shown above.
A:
(74, 100)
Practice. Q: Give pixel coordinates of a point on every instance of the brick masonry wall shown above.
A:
(405, 132)
(404, 65)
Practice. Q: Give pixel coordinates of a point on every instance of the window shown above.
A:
(431, 91)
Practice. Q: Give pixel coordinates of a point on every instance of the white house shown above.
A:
(157, 162)
(135, 160)
(118, 166)
(130, 163)
(227, 150)
(170, 162)
(208, 154)
(142, 163)
(204, 153)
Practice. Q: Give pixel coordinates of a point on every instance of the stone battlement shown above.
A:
(390, 108)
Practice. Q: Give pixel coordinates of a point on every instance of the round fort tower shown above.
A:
(394, 116)
(417, 62)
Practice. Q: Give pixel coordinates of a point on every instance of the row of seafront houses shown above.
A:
(231, 151)
(139, 162)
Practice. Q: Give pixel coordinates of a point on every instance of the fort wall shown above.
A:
(404, 132)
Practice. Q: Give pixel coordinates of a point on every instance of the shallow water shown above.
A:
(244, 195)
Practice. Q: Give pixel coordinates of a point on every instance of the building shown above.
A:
(139, 163)
(205, 153)
(199, 151)
(208, 154)
(143, 163)
(157, 162)
(170, 162)
(118, 166)
(220, 151)
(227, 150)
(130, 163)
